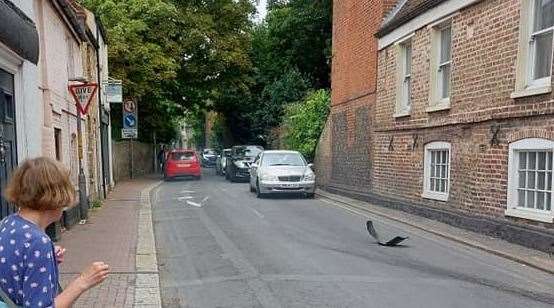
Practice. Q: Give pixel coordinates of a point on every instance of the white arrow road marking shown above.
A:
(204, 200)
(194, 204)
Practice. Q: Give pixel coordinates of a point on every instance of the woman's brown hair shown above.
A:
(40, 184)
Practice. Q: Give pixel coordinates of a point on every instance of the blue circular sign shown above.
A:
(130, 121)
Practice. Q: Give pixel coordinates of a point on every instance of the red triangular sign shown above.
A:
(83, 94)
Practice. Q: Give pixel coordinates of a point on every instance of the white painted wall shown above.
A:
(28, 106)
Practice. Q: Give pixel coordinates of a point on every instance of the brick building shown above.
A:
(345, 145)
(462, 126)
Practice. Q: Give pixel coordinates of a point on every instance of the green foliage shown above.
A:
(290, 52)
(303, 122)
(217, 134)
(195, 118)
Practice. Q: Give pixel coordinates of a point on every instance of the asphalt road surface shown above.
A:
(219, 246)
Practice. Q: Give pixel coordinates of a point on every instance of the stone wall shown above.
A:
(143, 159)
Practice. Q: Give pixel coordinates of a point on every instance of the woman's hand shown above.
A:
(95, 274)
(90, 277)
(60, 252)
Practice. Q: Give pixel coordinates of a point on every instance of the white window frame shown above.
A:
(427, 192)
(529, 144)
(525, 84)
(436, 101)
(403, 101)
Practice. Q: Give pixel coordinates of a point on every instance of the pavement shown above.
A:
(120, 234)
(219, 246)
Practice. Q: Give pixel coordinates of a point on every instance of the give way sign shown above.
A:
(83, 94)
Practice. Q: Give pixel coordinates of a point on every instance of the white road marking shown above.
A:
(257, 213)
(194, 204)
(185, 198)
(187, 191)
(156, 191)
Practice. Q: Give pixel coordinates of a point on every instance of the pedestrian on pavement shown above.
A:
(40, 188)
(161, 158)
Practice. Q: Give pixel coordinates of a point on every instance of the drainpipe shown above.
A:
(100, 108)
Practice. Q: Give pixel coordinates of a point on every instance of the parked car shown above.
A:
(208, 158)
(221, 161)
(281, 172)
(181, 163)
(238, 163)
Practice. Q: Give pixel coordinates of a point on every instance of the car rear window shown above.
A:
(181, 155)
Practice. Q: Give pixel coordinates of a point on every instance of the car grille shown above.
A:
(292, 178)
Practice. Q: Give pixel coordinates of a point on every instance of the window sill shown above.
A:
(435, 195)
(531, 91)
(530, 214)
(439, 106)
(401, 114)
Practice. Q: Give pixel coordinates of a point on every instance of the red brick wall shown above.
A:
(484, 51)
(345, 148)
(354, 63)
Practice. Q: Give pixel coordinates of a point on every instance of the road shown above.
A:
(233, 250)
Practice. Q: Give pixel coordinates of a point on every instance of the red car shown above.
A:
(181, 163)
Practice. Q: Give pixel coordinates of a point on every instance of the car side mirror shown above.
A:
(310, 166)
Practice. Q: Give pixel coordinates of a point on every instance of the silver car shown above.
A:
(281, 172)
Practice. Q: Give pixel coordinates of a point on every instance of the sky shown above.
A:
(261, 10)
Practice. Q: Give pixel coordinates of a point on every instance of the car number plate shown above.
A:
(183, 165)
(290, 185)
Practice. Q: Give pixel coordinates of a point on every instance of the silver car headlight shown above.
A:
(309, 176)
(268, 177)
(240, 164)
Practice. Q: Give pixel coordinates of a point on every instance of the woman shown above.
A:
(29, 275)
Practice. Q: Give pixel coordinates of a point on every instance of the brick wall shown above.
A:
(484, 51)
(364, 149)
(346, 144)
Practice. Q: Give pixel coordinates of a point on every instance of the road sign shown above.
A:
(129, 106)
(83, 94)
(114, 92)
(129, 133)
(130, 120)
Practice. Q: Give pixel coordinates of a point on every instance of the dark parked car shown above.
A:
(238, 164)
(208, 157)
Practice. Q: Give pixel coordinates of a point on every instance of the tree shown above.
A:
(290, 55)
(303, 122)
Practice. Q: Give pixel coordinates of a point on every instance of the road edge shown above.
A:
(147, 286)
(354, 208)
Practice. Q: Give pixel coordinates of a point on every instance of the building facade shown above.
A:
(462, 128)
(20, 105)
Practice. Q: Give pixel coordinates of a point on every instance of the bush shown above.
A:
(303, 122)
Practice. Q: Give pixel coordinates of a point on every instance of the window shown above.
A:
(530, 179)
(58, 143)
(444, 63)
(437, 171)
(541, 40)
(441, 56)
(534, 67)
(404, 93)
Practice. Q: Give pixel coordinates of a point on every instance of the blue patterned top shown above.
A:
(28, 267)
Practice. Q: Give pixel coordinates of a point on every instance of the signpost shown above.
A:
(130, 120)
(83, 95)
(130, 127)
